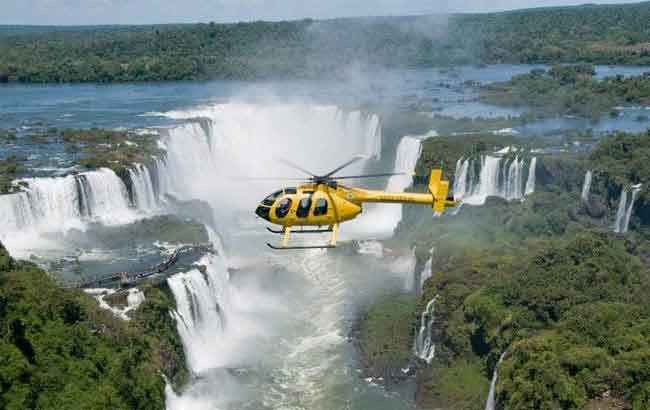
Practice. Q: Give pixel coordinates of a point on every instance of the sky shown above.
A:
(87, 12)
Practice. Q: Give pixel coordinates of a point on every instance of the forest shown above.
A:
(543, 280)
(570, 90)
(612, 34)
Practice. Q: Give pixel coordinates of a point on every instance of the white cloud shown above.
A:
(84, 12)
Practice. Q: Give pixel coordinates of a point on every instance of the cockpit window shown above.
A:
(321, 207)
(269, 200)
(303, 207)
(282, 208)
(290, 190)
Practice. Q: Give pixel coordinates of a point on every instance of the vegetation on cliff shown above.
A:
(117, 150)
(614, 34)
(544, 280)
(61, 351)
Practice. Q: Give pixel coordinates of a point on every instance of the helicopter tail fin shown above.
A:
(439, 190)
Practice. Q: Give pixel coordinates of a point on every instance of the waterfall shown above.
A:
(427, 270)
(460, 179)
(142, 186)
(530, 183)
(424, 347)
(202, 304)
(497, 177)
(134, 298)
(491, 400)
(625, 209)
(586, 187)
(206, 165)
(57, 204)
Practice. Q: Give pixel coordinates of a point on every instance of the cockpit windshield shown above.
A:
(269, 200)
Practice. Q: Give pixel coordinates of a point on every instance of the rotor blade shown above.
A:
(370, 176)
(295, 166)
(270, 179)
(350, 162)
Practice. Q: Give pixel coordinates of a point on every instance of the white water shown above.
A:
(625, 209)
(247, 140)
(586, 186)
(427, 270)
(134, 299)
(497, 177)
(532, 171)
(144, 195)
(491, 400)
(55, 205)
(203, 303)
(424, 347)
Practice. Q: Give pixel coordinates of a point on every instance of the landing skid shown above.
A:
(289, 248)
(301, 231)
(286, 232)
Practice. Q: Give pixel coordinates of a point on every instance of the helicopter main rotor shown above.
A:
(329, 177)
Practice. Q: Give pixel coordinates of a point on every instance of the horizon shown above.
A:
(124, 13)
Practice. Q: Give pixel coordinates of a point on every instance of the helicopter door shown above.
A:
(303, 207)
(283, 207)
(321, 207)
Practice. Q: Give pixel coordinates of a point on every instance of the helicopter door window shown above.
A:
(290, 190)
(282, 209)
(303, 207)
(321, 207)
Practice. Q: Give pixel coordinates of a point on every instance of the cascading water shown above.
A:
(530, 182)
(586, 186)
(202, 301)
(57, 204)
(497, 176)
(142, 187)
(424, 348)
(426, 271)
(625, 209)
(246, 140)
(490, 404)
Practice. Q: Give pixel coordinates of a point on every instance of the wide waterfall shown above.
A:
(625, 209)
(490, 404)
(247, 141)
(586, 186)
(424, 348)
(510, 178)
(56, 204)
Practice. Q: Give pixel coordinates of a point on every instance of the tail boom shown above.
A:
(436, 198)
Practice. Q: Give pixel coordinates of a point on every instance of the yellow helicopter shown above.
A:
(323, 202)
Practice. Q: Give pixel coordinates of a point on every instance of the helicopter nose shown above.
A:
(263, 212)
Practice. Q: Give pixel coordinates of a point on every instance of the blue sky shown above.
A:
(168, 11)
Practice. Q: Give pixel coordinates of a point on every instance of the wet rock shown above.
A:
(595, 208)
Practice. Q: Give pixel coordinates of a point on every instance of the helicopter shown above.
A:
(322, 201)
